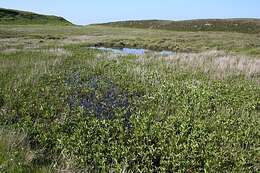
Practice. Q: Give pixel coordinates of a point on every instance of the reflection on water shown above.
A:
(133, 51)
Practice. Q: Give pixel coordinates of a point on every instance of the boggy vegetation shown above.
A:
(88, 111)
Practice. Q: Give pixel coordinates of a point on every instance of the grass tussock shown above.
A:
(16, 155)
(216, 64)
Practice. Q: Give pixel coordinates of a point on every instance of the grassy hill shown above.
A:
(233, 25)
(8, 16)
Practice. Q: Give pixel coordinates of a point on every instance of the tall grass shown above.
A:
(219, 64)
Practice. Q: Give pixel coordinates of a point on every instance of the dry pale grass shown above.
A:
(34, 62)
(80, 39)
(12, 142)
(108, 56)
(57, 52)
(10, 50)
(19, 43)
(215, 63)
(51, 51)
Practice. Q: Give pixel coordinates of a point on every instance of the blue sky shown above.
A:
(96, 11)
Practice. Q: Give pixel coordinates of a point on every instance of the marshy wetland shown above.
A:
(65, 106)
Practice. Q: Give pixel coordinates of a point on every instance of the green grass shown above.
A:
(82, 110)
(15, 17)
(227, 25)
(237, 43)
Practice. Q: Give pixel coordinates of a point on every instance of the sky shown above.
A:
(84, 12)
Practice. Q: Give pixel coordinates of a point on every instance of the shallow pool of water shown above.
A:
(133, 51)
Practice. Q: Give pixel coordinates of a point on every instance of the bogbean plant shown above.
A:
(100, 114)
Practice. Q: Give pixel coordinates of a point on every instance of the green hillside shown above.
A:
(8, 16)
(232, 25)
